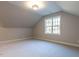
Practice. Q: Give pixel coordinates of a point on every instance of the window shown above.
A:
(52, 25)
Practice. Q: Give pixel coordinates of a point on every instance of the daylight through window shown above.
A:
(52, 25)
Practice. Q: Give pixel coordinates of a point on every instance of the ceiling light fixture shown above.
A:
(35, 7)
(35, 4)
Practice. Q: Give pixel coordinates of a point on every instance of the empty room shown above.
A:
(39, 28)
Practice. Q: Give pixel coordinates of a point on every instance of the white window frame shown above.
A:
(54, 26)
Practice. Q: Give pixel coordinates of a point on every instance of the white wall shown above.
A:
(69, 29)
(14, 33)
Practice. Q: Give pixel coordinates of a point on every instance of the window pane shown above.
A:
(52, 25)
(48, 30)
(48, 22)
(56, 25)
(56, 30)
(56, 20)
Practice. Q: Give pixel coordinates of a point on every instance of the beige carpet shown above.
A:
(37, 48)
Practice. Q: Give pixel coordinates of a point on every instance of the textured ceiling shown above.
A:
(16, 14)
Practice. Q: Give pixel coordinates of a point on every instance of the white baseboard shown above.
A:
(60, 42)
(7, 41)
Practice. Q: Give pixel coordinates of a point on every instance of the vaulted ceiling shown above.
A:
(16, 14)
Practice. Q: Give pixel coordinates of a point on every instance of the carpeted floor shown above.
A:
(37, 48)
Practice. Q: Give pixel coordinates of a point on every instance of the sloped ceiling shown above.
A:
(16, 14)
(69, 6)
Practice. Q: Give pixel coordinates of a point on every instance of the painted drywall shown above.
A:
(69, 29)
(14, 33)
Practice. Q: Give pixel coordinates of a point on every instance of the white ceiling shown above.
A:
(50, 7)
(16, 14)
(70, 7)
